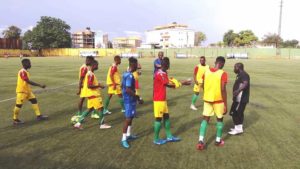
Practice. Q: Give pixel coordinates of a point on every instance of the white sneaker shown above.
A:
(193, 107)
(235, 132)
(107, 112)
(105, 126)
(78, 126)
(123, 111)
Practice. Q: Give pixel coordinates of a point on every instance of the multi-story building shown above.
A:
(171, 36)
(127, 42)
(83, 39)
(101, 40)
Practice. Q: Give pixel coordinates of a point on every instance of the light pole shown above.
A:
(278, 52)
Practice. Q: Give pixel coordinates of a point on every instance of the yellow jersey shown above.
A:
(91, 79)
(212, 85)
(113, 70)
(200, 71)
(22, 85)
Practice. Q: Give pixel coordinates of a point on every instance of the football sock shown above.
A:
(36, 109)
(83, 115)
(101, 117)
(122, 103)
(194, 99)
(106, 103)
(16, 112)
(167, 124)
(157, 126)
(219, 126)
(128, 131)
(95, 112)
(78, 113)
(202, 130)
(124, 137)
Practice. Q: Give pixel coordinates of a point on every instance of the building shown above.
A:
(171, 36)
(127, 42)
(101, 40)
(83, 39)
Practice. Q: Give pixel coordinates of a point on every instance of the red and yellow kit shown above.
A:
(198, 72)
(212, 95)
(93, 95)
(159, 93)
(23, 89)
(113, 70)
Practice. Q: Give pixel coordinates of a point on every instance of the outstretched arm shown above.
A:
(34, 83)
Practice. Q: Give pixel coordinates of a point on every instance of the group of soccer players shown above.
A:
(212, 80)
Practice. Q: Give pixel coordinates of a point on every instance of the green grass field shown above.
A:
(270, 140)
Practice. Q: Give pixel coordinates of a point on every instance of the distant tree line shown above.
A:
(51, 32)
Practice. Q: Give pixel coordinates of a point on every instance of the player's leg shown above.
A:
(158, 114)
(219, 111)
(21, 97)
(106, 102)
(101, 119)
(195, 96)
(121, 101)
(167, 125)
(127, 123)
(207, 113)
(36, 108)
(238, 118)
(80, 103)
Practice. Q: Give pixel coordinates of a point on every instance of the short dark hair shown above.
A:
(132, 60)
(202, 57)
(220, 59)
(165, 60)
(240, 65)
(94, 62)
(90, 58)
(24, 61)
(117, 57)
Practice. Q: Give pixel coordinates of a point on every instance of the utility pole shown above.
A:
(278, 52)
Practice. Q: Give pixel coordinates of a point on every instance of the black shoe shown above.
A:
(41, 117)
(17, 122)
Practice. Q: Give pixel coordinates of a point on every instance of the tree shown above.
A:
(12, 32)
(229, 38)
(272, 39)
(290, 43)
(199, 37)
(245, 38)
(49, 33)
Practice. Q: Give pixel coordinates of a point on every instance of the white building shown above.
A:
(171, 36)
(101, 39)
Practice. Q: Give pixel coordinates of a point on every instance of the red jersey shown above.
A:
(159, 88)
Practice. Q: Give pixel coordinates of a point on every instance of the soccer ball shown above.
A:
(75, 119)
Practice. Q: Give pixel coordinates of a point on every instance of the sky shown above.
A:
(134, 17)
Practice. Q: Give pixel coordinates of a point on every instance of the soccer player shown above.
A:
(130, 99)
(92, 87)
(215, 100)
(24, 93)
(198, 73)
(82, 72)
(113, 81)
(161, 81)
(157, 62)
(241, 92)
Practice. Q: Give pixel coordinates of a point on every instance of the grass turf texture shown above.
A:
(270, 140)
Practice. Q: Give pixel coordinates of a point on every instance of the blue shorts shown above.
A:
(130, 110)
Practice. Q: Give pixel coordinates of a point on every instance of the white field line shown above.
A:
(42, 91)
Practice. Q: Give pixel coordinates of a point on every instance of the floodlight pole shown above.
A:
(278, 52)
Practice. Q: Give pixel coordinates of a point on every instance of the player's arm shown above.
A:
(26, 79)
(34, 83)
(112, 72)
(242, 86)
(195, 75)
(131, 92)
(82, 75)
(91, 84)
(224, 91)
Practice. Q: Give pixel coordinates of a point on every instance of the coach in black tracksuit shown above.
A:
(241, 92)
